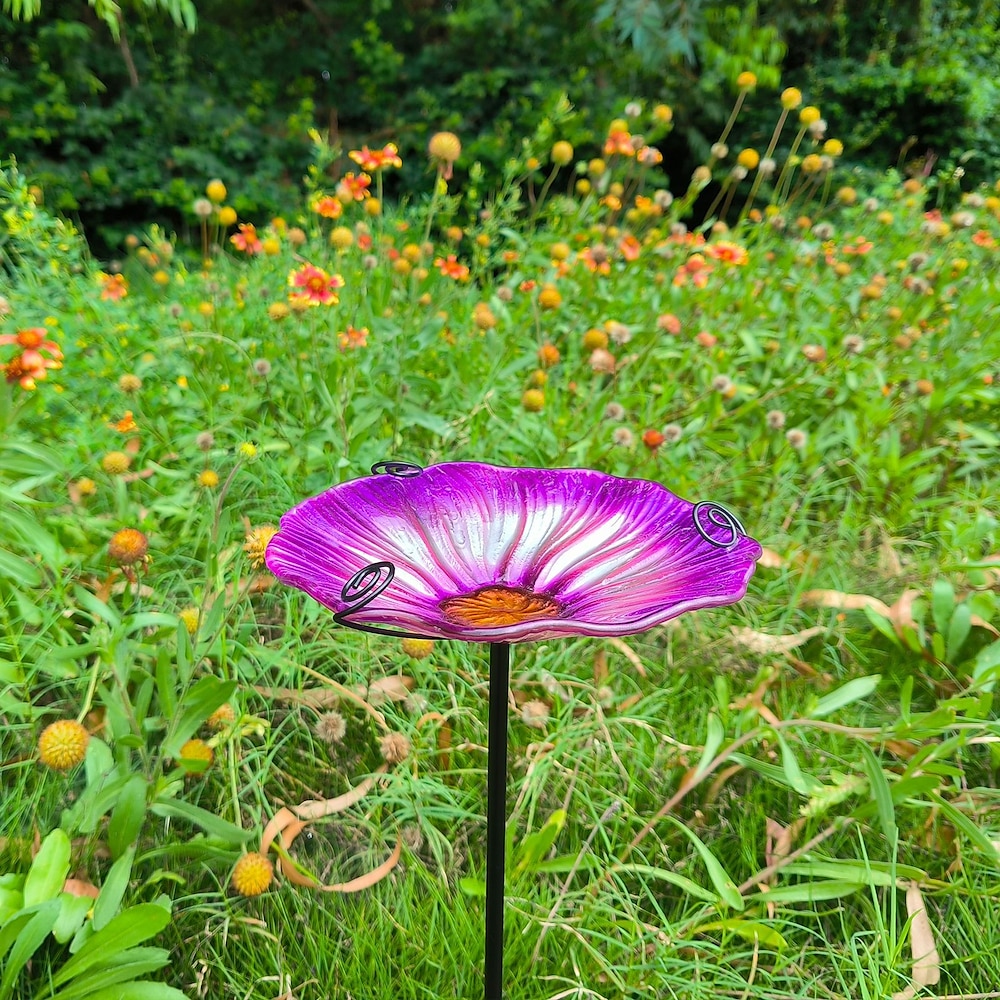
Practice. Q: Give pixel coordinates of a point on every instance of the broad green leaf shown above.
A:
(49, 869)
(846, 694)
(208, 821)
(689, 886)
(942, 604)
(804, 784)
(28, 941)
(128, 966)
(128, 815)
(72, 913)
(713, 740)
(958, 631)
(985, 664)
(808, 892)
(141, 990)
(123, 932)
(19, 571)
(472, 886)
(195, 707)
(536, 845)
(878, 784)
(752, 930)
(718, 875)
(109, 899)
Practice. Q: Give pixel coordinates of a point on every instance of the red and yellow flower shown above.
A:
(371, 160)
(354, 187)
(312, 286)
(31, 364)
(113, 286)
(247, 239)
(451, 267)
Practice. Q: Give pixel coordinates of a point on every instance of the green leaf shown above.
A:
(475, 887)
(689, 886)
(942, 604)
(878, 784)
(958, 631)
(752, 930)
(128, 815)
(49, 869)
(195, 707)
(28, 941)
(846, 694)
(140, 990)
(128, 966)
(208, 821)
(984, 666)
(123, 932)
(72, 913)
(713, 740)
(724, 885)
(804, 784)
(109, 899)
(963, 824)
(808, 892)
(536, 845)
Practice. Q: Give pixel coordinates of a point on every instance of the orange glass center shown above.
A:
(495, 607)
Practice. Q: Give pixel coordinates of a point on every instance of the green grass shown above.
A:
(667, 765)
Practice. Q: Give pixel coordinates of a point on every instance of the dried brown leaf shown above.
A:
(926, 970)
(393, 688)
(80, 887)
(901, 612)
(762, 642)
(769, 559)
(844, 602)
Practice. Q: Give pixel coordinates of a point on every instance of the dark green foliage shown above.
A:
(129, 129)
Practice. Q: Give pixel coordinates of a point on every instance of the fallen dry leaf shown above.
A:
(79, 887)
(844, 602)
(762, 642)
(926, 970)
(769, 559)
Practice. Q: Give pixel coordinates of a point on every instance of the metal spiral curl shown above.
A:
(393, 467)
(718, 517)
(361, 590)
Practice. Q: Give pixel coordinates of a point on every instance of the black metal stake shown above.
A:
(496, 816)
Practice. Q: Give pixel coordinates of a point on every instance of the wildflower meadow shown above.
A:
(210, 788)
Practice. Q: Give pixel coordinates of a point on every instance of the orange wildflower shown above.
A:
(630, 247)
(619, 141)
(728, 253)
(126, 425)
(354, 187)
(371, 160)
(31, 364)
(246, 239)
(353, 338)
(113, 286)
(649, 156)
(328, 206)
(312, 286)
(452, 268)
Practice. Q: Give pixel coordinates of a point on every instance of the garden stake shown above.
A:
(487, 554)
(496, 816)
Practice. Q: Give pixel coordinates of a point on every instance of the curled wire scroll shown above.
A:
(392, 467)
(712, 517)
(361, 590)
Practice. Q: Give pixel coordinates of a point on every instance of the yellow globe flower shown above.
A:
(63, 744)
(253, 874)
(791, 98)
(216, 191)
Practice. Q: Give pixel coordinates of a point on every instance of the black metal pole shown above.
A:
(496, 816)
